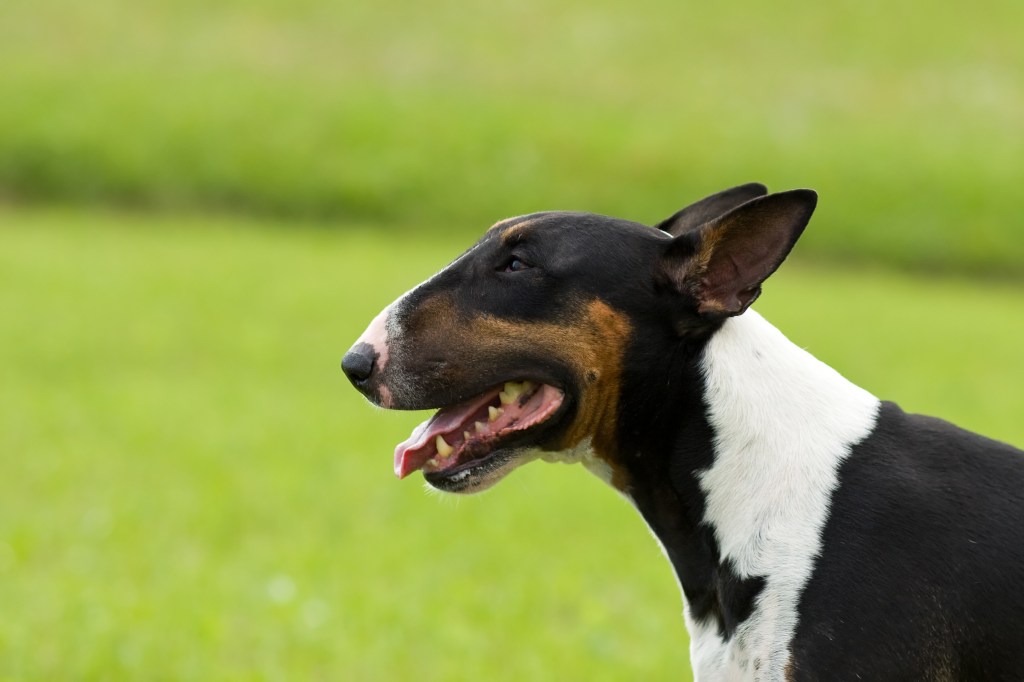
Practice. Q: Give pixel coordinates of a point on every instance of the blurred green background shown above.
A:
(202, 204)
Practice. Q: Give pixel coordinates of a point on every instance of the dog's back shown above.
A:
(922, 560)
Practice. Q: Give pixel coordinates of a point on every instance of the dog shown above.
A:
(817, 532)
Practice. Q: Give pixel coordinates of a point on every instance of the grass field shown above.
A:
(905, 116)
(190, 490)
(203, 204)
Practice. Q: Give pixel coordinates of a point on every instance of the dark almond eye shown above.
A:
(515, 265)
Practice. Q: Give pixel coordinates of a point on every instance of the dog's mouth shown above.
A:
(463, 445)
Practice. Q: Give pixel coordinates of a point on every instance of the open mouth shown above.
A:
(463, 439)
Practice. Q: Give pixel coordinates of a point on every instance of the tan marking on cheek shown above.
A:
(432, 316)
(592, 346)
(470, 345)
(433, 330)
(602, 341)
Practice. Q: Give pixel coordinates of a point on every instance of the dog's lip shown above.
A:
(419, 451)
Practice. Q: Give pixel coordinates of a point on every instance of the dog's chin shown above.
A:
(480, 474)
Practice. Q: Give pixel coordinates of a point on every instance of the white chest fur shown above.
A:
(784, 422)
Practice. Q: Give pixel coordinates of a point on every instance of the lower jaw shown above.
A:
(478, 475)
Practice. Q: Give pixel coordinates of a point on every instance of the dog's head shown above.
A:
(528, 341)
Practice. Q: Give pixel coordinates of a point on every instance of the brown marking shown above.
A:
(508, 223)
(433, 316)
(696, 271)
(601, 339)
(712, 306)
(591, 343)
(709, 238)
(690, 274)
(504, 221)
(789, 672)
(514, 232)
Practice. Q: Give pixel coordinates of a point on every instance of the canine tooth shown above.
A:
(443, 448)
(511, 392)
(493, 413)
(480, 427)
(465, 436)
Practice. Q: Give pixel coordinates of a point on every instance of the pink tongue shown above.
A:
(413, 452)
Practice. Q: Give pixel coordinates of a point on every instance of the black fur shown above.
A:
(921, 574)
(666, 439)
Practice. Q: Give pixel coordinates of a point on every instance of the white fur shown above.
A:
(582, 453)
(784, 422)
(376, 336)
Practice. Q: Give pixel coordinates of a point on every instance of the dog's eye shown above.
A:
(515, 265)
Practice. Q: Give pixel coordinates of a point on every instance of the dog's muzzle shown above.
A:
(364, 364)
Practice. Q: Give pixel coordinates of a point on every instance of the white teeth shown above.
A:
(433, 462)
(513, 390)
(465, 436)
(443, 448)
(480, 427)
(493, 413)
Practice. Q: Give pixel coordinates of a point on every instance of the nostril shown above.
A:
(358, 364)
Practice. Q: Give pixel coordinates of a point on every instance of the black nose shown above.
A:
(358, 363)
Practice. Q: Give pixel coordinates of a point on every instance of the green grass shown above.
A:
(906, 117)
(190, 490)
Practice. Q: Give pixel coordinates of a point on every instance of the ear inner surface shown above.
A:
(737, 251)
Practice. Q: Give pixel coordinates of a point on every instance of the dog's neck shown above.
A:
(738, 493)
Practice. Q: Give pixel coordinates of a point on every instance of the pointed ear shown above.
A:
(722, 264)
(709, 208)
